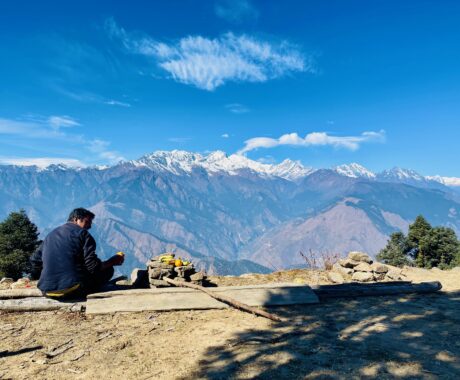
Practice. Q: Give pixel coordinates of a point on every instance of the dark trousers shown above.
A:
(97, 281)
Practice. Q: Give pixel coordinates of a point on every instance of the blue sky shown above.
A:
(323, 82)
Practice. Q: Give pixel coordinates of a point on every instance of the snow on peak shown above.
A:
(178, 162)
(447, 181)
(354, 170)
(402, 174)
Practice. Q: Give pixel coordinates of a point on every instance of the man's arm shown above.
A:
(36, 263)
(92, 262)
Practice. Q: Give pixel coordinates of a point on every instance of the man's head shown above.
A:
(81, 217)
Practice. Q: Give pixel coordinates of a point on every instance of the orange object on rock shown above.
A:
(178, 263)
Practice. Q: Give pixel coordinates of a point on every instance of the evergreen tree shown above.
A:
(395, 252)
(438, 248)
(18, 240)
(417, 231)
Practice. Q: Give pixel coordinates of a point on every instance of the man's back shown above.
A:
(69, 256)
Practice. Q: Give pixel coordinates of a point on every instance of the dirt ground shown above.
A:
(410, 337)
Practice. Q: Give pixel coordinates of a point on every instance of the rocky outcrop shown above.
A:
(359, 266)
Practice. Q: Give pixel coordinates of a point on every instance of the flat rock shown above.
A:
(335, 277)
(362, 276)
(363, 267)
(379, 268)
(394, 274)
(342, 270)
(360, 256)
(348, 263)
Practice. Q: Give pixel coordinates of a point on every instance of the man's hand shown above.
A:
(115, 260)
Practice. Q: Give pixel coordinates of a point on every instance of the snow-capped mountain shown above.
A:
(229, 214)
(354, 170)
(182, 162)
(447, 181)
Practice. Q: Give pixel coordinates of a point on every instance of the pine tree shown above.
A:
(395, 252)
(417, 231)
(18, 240)
(439, 248)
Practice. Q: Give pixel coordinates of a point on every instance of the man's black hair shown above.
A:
(80, 213)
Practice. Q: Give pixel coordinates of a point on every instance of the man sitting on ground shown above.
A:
(66, 261)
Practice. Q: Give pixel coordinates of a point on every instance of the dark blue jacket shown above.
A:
(66, 257)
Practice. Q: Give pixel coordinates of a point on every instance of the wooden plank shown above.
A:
(187, 299)
(39, 304)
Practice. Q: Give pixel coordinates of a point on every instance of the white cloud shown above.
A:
(49, 130)
(57, 122)
(41, 162)
(313, 139)
(112, 102)
(225, 136)
(235, 10)
(209, 63)
(237, 108)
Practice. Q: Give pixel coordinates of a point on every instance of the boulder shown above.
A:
(363, 267)
(362, 276)
(6, 280)
(394, 274)
(348, 263)
(379, 268)
(360, 256)
(379, 276)
(342, 270)
(335, 277)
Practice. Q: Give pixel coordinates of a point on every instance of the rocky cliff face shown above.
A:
(229, 214)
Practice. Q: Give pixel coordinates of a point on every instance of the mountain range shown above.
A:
(230, 214)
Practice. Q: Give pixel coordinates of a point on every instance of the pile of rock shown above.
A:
(157, 270)
(358, 266)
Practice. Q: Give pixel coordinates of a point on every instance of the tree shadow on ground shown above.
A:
(408, 336)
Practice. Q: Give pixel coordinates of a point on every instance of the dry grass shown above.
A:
(320, 260)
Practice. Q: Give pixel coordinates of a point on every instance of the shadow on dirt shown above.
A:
(4, 354)
(409, 336)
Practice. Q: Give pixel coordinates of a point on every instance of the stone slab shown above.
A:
(188, 299)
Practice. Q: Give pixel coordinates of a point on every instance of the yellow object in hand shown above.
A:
(120, 253)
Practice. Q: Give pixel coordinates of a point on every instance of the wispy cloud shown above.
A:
(235, 11)
(41, 162)
(112, 102)
(58, 122)
(225, 136)
(313, 139)
(208, 63)
(89, 97)
(237, 108)
(179, 140)
(48, 131)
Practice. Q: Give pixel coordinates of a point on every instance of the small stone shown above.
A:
(155, 273)
(363, 267)
(379, 276)
(200, 276)
(335, 277)
(348, 263)
(360, 256)
(140, 278)
(362, 276)
(394, 274)
(158, 283)
(342, 270)
(379, 268)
